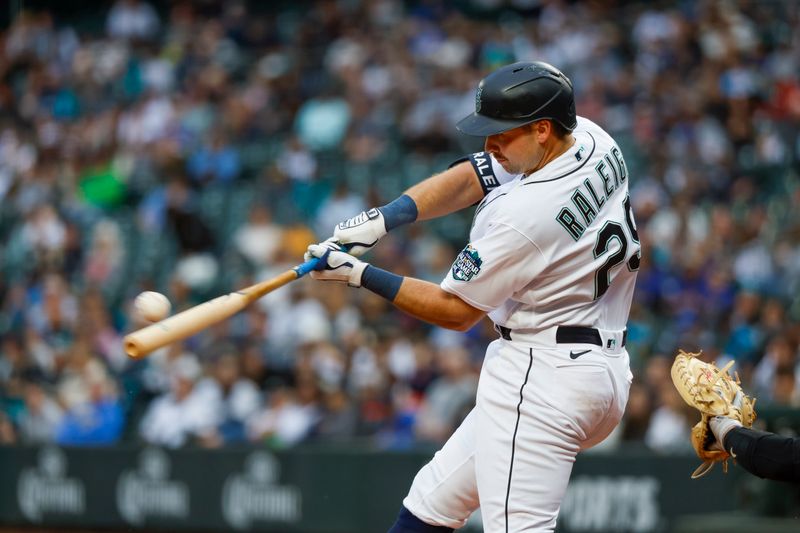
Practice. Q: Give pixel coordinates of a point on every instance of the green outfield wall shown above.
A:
(317, 490)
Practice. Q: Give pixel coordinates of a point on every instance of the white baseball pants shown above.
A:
(536, 408)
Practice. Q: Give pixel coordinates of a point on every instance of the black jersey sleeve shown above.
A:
(764, 454)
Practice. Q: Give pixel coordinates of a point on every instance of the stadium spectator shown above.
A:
(132, 19)
(96, 416)
(8, 433)
(183, 415)
(41, 416)
(239, 399)
(285, 420)
(449, 397)
(259, 238)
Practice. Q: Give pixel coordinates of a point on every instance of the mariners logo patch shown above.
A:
(467, 265)
(478, 95)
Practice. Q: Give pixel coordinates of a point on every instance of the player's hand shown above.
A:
(335, 265)
(720, 426)
(360, 233)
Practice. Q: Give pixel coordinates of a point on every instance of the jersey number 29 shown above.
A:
(611, 231)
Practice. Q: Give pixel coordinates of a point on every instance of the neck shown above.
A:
(552, 151)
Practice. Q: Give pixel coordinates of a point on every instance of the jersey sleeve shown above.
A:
(489, 172)
(492, 269)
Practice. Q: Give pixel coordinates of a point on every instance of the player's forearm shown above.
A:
(455, 188)
(765, 454)
(422, 299)
(447, 192)
(427, 301)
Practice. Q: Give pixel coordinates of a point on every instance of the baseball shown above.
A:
(152, 306)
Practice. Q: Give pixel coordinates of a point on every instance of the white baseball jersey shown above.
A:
(556, 247)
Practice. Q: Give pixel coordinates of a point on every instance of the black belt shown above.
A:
(570, 335)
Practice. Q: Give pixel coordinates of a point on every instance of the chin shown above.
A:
(506, 165)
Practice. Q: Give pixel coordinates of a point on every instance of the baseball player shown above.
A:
(552, 259)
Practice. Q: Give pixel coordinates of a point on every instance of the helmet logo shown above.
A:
(478, 94)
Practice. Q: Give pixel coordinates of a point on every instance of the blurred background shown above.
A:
(196, 147)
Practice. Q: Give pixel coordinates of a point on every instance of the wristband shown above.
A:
(400, 211)
(381, 282)
(720, 426)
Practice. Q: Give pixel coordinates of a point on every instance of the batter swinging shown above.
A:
(552, 259)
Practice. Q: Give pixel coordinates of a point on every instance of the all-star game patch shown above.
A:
(467, 265)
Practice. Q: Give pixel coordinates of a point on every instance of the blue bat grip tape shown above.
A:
(306, 267)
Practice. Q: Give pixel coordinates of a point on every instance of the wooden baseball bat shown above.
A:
(188, 322)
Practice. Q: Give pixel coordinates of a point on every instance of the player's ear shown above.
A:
(542, 129)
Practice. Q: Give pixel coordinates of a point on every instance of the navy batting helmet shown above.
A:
(519, 94)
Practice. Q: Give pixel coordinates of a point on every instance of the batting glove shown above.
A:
(335, 265)
(360, 233)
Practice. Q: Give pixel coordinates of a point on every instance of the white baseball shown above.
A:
(152, 306)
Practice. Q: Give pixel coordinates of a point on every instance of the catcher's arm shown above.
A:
(763, 454)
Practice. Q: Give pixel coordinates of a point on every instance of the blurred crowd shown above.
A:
(197, 147)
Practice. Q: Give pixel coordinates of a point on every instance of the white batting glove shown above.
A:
(360, 233)
(339, 266)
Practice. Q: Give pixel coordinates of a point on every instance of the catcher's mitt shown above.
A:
(713, 392)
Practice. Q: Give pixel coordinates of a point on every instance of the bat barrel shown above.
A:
(184, 324)
(188, 322)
